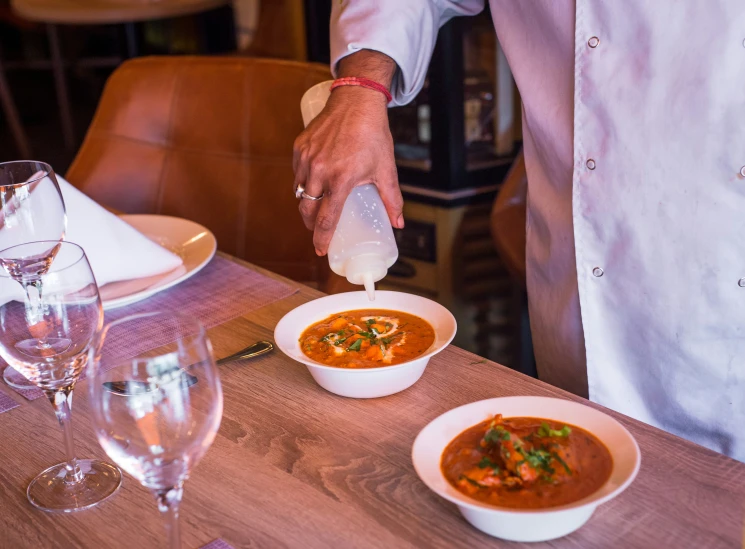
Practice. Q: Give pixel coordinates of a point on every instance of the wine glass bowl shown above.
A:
(161, 428)
(53, 318)
(31, 204)
(48, 321)
(31, 210)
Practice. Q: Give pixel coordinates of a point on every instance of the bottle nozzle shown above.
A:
(365, 269)
(369, 283)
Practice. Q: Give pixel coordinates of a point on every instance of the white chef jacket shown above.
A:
(634, 139)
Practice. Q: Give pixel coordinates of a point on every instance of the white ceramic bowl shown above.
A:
(529, 524)
(367, 382)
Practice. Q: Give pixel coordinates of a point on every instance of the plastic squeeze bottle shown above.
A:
(362, 247)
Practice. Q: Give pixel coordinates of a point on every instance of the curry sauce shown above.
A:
(526, 463)
(368, 338)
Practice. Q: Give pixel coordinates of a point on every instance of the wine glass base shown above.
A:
(16, 379)
(51, 491)
(46, 349)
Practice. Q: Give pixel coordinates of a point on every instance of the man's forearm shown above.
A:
(369, 64)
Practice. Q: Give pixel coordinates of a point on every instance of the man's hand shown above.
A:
(348, 144)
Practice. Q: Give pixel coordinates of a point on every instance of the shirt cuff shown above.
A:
(404, 30)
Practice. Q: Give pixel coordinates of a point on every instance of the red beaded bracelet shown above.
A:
(364, 83)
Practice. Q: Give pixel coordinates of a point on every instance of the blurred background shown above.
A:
(457, 145)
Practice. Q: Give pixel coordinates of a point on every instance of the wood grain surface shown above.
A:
(295, 466)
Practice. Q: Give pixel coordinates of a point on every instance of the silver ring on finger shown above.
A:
(300, 193)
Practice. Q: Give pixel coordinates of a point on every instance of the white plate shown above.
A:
(195, 244)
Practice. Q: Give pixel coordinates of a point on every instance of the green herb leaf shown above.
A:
(370, 321)
(548, 479)
(563, 463)
(540, 459)
(492, 436)
(487, 462)
(355, 346)
(546, 431)
(471, 481)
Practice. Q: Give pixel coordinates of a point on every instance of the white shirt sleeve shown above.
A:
(404, 30)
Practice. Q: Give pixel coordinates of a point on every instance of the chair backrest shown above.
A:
(208, 139)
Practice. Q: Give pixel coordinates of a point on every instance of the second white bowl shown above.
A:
(526, 524)
(367, 382)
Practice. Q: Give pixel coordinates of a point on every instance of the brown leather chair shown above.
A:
(508, 218)
(208, 139)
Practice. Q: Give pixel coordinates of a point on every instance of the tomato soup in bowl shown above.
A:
(367, 338)
(357, 348)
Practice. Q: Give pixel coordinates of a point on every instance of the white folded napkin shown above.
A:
(115, 250)
(119, 255)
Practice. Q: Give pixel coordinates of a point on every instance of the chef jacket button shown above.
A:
(590, 164)
(742, 171)
(741, 283)
(593, 42)
(597, 271)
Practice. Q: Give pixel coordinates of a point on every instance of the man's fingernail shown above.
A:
(318, 252)
(400, 221)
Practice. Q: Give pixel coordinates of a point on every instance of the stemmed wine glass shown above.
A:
(31, 210)
(156, 414)
(45, 333)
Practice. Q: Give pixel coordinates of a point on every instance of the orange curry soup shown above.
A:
(526, 463)
(368, 338)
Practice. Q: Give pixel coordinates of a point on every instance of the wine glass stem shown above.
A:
(168, 504)
(61, 399)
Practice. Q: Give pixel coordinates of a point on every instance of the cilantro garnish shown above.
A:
(546, 431)
(492, 436)
(487, 462)
(355, 346)
(564, 463)
(495, 434)
(471, 481)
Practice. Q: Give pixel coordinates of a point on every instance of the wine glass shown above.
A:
(45, 333)
(31, 210)
(156, 413)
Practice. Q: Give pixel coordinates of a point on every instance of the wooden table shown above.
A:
(295, 466)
